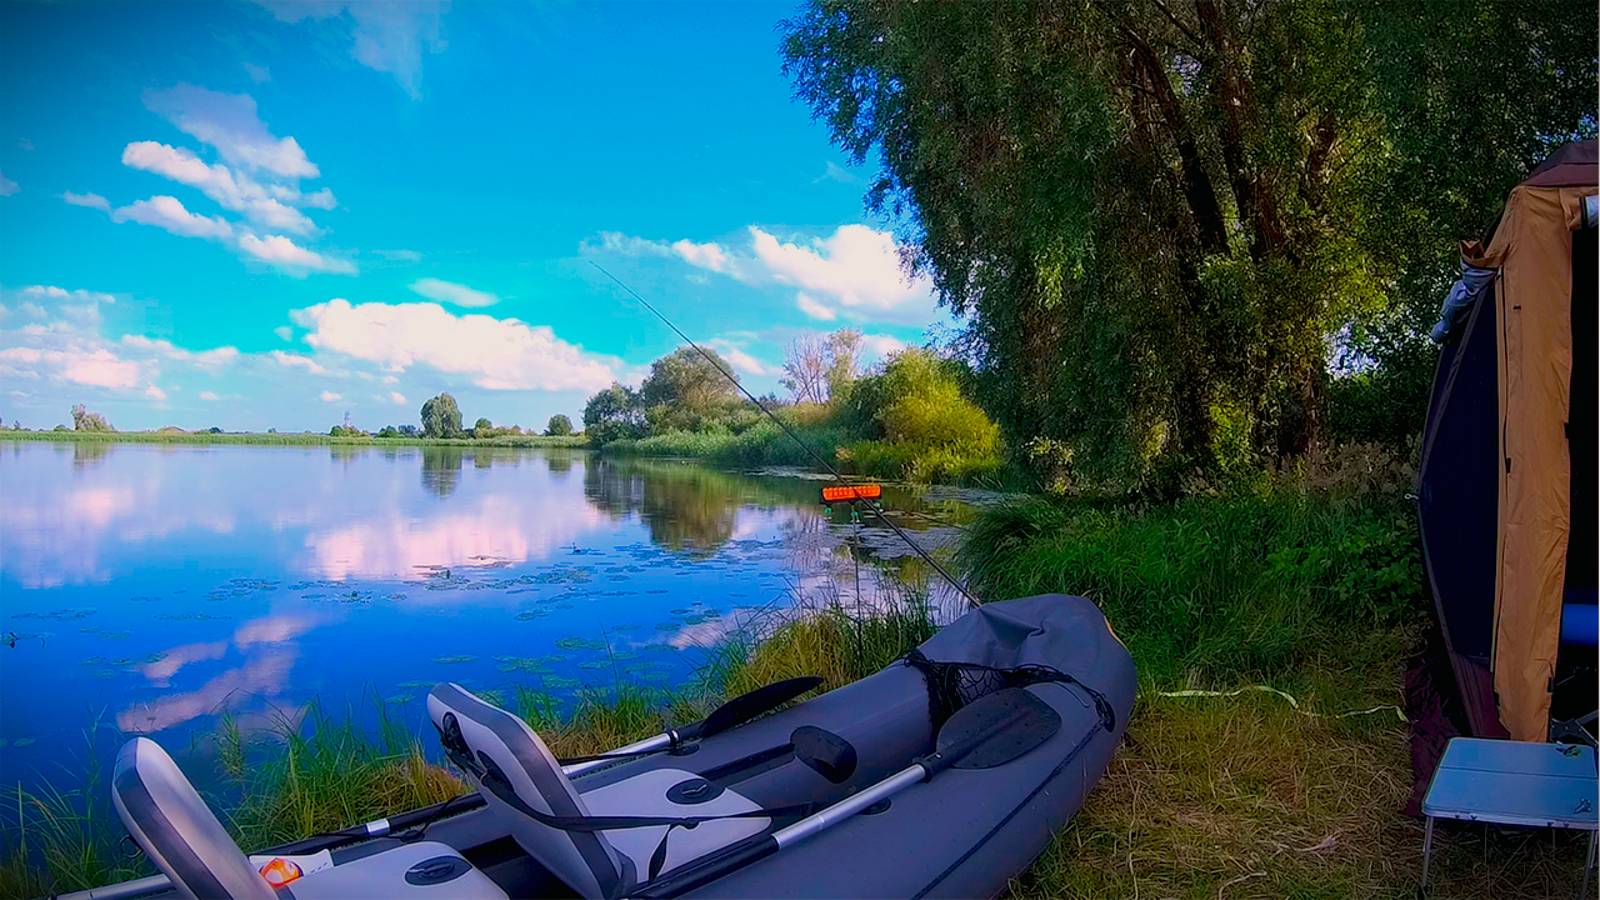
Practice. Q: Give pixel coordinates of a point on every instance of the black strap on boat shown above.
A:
(494, 780)
(952, 685)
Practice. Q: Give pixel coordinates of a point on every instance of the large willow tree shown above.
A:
(1160, 217)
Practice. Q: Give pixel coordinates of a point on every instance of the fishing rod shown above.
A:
(809, 450)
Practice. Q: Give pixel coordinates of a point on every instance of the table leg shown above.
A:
(1427, 853)
(1588, 863)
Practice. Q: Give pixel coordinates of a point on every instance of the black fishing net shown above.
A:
(952, 685)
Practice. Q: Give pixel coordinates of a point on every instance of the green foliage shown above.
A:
(684, 388)
(613, 414)
(1155, 217)
(84, 420)
(924, 428)
(388, 431)
(1250, 584)
(558, 426)
(441, 417)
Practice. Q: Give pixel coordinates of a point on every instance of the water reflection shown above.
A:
(687, 508)
(441, 469)
(87, 454)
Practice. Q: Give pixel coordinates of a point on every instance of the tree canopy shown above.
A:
(441, 417)
(1159, 216)
(84, 420)
(558, 426)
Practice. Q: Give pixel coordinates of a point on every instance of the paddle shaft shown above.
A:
(757, 847)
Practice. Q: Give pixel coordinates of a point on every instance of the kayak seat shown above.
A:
(516, 772)
(177, 830)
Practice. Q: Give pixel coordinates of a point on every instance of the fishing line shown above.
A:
(809, 450)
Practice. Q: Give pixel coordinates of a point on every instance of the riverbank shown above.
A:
(1231, 604)
(273, 438)
(765, 444)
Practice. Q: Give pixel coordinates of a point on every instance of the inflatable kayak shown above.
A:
(943, 775)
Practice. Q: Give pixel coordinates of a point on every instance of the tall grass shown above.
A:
(1264, 584)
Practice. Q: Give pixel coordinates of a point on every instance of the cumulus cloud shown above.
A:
(386, 37)
(209, 396)
(814, 308)
(168, 212)
(78, 295)
(297, 361)
(7, 186)
(882, 344)
(239, 193)
(450, 292)
(496, 354)
(91, 366)
(229, 123)
(857, 268)
(284, 332)
(740, 359)
(205, 359)
(330, 397)
(285, 254)
(91, 200)
(156, 394)
(854, 272)
(397, 398)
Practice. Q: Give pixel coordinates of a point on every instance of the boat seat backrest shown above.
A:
(500, 752)
(176, 829)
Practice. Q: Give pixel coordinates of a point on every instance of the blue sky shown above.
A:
(267, 214)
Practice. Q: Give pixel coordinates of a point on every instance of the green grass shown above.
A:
(765, 444)
(1314, 592)
(288, 439)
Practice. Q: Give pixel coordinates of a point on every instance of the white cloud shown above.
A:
(832, 171)
(450, 292)
(296, 361)
(51, 292)
(813, 308)
(229, 123)
(330, 397)
(209, 396)
(284, 332)
(397, 398)
(258, 74)
(7, 186)
(857, 268)
(742, 362)
(156, 394)
(237, 192)
(169, 213)
(854, 272)
(91, 200)
(386, 37)
(496, 354)
(400, 255)
(285, 254)
(205, 359)
(882, 344)
(91, 366)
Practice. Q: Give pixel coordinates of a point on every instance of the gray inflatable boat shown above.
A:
(942, 775)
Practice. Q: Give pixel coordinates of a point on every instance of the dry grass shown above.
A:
(1242, 797)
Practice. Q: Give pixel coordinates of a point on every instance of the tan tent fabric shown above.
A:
(1532, 248)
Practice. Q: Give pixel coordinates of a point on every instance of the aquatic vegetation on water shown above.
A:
(453, 660)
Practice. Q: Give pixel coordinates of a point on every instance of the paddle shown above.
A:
(989, 732)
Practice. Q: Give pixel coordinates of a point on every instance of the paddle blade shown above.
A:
(747, 706)
(996, 729)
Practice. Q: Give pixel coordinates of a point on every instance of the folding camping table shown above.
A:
(1514, 783)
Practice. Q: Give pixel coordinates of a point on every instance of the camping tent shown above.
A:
(1506, 488)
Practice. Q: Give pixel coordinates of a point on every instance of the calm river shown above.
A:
(151, 589)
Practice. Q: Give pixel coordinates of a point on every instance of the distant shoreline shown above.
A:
(573, 442)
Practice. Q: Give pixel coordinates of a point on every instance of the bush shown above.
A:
(558, 426)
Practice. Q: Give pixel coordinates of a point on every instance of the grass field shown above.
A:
(288, 439)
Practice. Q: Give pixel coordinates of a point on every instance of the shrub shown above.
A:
(558, 426)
